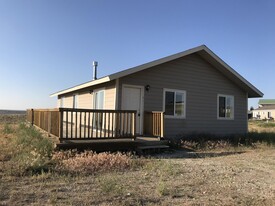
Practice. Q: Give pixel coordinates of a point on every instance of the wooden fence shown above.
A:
(154, 123)
(85, 124)
(46, 119)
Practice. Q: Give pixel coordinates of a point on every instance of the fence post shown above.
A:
(49, 123)
(32, 116)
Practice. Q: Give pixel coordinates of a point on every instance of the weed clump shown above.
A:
(110, 184)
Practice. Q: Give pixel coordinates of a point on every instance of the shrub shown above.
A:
(206, 142)
(32, 151)
(90, 162)
(263, 137)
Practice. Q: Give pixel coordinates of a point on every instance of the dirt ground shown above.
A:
(233, 176)
(246, 178)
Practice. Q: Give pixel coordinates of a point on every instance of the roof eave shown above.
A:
(81, 86)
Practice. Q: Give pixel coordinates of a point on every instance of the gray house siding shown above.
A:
(202, 83)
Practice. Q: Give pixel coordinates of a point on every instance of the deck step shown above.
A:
(153, 147)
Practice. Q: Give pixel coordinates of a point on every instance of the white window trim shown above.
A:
(99, 90)
(226, 96)
(163, 103)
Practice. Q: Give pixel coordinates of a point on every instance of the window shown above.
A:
(62, 102)
(99, 99)
(225, 107)
(174, 103)
(98, 104)
(75, 101)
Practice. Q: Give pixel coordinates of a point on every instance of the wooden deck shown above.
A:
(140, 144)
(100, 130)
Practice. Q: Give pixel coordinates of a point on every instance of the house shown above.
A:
(197, 91)
(266, 109)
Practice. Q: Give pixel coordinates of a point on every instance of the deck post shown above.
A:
(134, 125)
(162, 125)
(61, 124)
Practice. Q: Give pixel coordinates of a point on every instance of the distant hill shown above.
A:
(12, 111)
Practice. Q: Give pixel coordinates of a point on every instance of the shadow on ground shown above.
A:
(188, 153)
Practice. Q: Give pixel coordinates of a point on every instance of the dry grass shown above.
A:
(89, 162)
(261, 126)
(224, 180)
(208, 178)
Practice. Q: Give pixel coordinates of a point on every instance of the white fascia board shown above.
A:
(81, 86)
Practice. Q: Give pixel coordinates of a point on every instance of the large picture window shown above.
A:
(225, 106)
(174, 103)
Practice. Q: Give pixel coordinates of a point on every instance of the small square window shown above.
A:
(174, 103)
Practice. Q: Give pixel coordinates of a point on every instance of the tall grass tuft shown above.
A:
(32, 152)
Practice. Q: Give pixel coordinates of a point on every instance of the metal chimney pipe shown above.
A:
(95, 63)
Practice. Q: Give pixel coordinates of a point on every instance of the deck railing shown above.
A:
(154, 123)
(85, 124)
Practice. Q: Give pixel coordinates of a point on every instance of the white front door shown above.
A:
(132, 99)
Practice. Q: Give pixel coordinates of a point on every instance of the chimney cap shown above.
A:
(95, 63)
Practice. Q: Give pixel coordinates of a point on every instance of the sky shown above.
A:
(47, 46)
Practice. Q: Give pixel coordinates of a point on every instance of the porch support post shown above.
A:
(162, 125)
(134, 124)
(60, 120)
